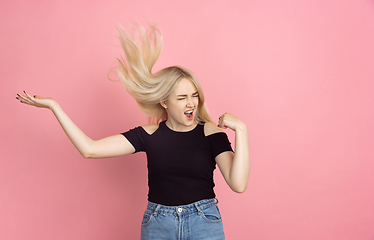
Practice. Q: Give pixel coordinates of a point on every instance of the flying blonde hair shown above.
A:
(142, 49)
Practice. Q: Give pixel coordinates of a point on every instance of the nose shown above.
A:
(189, 102)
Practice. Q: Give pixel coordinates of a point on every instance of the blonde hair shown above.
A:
(142, 49)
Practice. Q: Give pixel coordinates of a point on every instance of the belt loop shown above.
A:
(197, 207)
(156, 210)
(216, 200)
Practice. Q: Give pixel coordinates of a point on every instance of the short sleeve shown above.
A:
(219, 143)
(136, 137)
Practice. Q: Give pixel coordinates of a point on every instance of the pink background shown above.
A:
(299, 73)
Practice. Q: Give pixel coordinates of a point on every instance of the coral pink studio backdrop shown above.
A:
(299, 73)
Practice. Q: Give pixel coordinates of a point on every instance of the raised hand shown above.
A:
(35, 100)
(112, 146)
(227, 120)
(235, 166)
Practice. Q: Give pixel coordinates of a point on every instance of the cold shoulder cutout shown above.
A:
(211, 128)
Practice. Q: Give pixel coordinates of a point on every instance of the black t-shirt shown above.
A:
(180, 164)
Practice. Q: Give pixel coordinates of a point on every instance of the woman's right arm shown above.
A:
(112, 146)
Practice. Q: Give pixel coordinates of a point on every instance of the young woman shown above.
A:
(183, 145)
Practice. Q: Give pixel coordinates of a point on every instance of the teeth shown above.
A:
(189, 111)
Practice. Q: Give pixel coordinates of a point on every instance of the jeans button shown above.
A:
(180, 210)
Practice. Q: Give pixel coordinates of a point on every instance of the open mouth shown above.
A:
(189, 114)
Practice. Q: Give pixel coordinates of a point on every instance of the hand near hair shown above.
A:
(227, 120)
(36, 101)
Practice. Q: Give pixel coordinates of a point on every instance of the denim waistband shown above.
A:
(193, 207)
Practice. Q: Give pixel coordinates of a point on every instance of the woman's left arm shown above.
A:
(235, 166)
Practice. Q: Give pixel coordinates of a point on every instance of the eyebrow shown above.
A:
(185, 95)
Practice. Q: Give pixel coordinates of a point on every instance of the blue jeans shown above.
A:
(199, 220)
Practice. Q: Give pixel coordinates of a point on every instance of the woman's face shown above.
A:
(181, 106)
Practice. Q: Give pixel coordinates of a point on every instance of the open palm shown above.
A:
(35, 100)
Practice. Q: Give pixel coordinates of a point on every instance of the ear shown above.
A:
(163, 104)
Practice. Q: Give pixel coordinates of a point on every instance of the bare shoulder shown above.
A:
(150, 129)
(211, 128)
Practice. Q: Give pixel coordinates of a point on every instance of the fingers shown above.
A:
(35, 101)
(232, 122)
(227, 120)
(221, 121)
(27, 98)
(27, 94)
